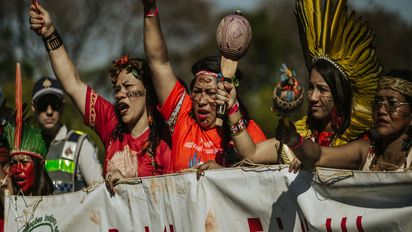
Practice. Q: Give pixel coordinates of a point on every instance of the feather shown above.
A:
(19, 108)
(329, 31)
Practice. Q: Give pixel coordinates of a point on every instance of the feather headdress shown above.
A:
(329, 32)
(21, 137)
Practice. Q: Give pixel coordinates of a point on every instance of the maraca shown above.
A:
(233, 37)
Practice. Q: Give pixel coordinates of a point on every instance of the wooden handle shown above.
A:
(228, 68)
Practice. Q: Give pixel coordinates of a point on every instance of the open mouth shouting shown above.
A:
(203, 115)
(123, 107)
(20, 180)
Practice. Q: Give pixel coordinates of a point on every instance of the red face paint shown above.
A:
(22, 170)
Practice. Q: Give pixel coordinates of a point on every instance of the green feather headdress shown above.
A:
(23, 139)
(32, 142)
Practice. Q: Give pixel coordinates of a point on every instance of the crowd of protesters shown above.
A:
(357, 118)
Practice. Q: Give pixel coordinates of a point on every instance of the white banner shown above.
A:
(243, 199)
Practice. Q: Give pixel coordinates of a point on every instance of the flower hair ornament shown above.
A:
(23, 138)
(135, 66)
(329, 32)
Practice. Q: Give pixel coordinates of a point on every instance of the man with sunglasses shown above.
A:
(72, 157)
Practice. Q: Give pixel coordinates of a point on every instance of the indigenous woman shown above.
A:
(229, 157)
(24, 149)
(129, 129)
(344, 72)
(29, 177)
(389, 150)
(191, 117)
(28, 174)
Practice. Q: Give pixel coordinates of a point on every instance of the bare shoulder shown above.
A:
(357, 145)
(360, 147)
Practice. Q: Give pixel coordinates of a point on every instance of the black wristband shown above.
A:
(53, 41)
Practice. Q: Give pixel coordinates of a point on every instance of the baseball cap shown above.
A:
(47, 85)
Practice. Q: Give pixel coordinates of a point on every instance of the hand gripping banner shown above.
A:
(266, 198)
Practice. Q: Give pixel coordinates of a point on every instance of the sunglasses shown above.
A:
(43, 104)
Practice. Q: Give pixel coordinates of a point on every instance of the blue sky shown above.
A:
(402, 7)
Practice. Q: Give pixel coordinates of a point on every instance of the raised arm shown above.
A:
(63, 67)
(156, 52)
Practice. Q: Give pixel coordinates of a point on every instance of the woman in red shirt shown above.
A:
(129, 128)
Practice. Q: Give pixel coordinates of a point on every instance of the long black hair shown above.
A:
(139, 68)
(341, 89)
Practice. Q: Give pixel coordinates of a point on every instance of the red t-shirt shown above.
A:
(129, 155)
(191, 143)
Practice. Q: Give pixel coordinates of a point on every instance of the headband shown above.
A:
(204, 72)
(32, 154)
(397, 84)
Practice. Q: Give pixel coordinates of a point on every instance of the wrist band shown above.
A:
(150, 8)
(238, 127)
(151, 12)
(234, 109)
(53, 41)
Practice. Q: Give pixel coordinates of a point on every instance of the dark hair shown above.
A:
(141, 71)
(43, 185)
(341, 90)
(212, 64)
(404, 75)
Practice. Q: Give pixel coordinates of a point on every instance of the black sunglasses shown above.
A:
(54, 103)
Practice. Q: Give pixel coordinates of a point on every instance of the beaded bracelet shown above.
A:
(53, 41)
(238, 127)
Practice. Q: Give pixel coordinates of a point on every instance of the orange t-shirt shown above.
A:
(192, 144)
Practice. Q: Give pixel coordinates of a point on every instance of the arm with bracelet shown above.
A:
(262, 152)
(155, 48)
(63, 67)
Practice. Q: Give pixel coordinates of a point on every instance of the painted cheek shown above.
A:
(25, 174)
(327, 104)
(15, 169)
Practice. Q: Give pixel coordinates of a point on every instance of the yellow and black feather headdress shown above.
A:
(329, 32)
